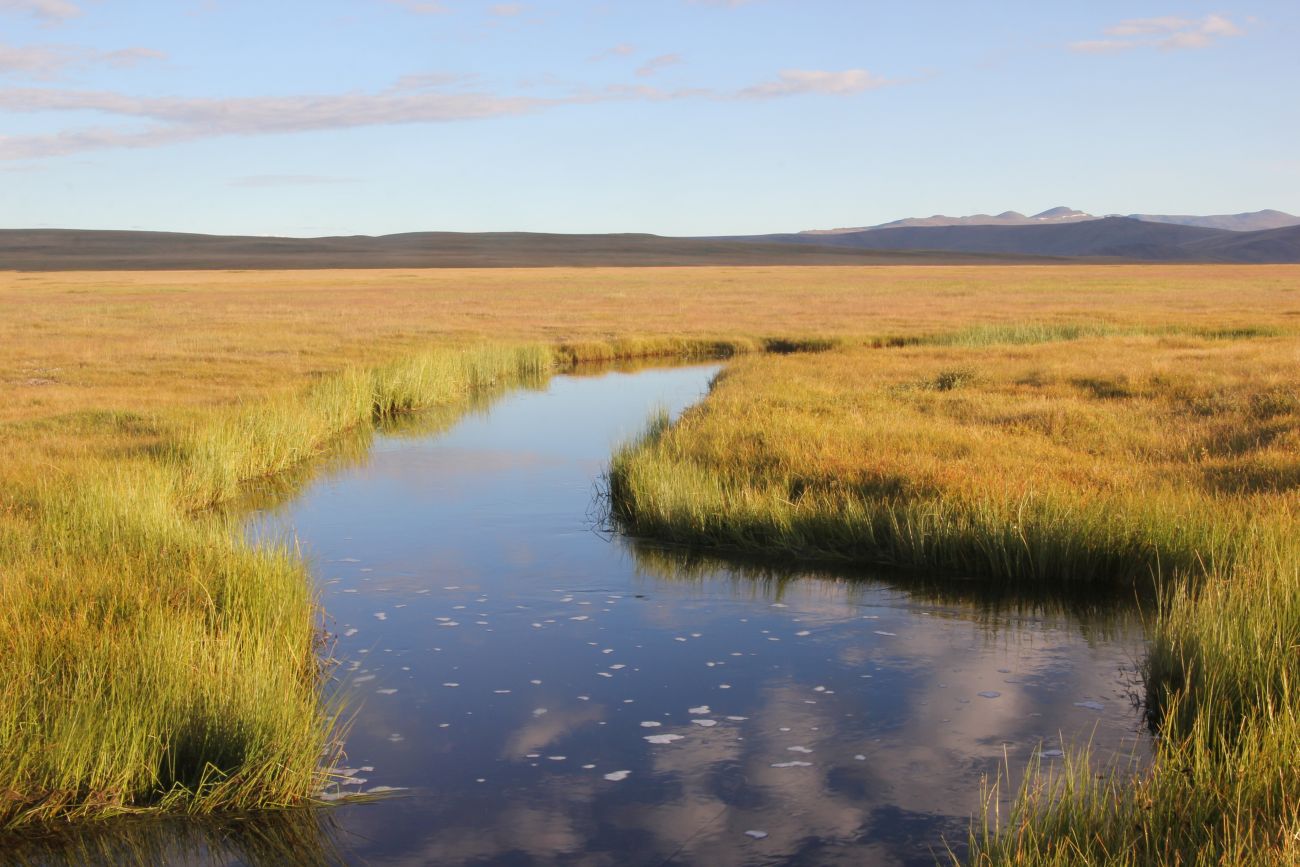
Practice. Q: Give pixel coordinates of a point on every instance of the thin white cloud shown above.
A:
(507, 10)
(793, 82)
(46, 62)
(420, 7)
(265, 181)
(623, 49)
(51, 11)
(158, 121)
(654, 64)
(1168, 33)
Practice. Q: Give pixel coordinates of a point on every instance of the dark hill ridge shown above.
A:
(86, 250)
(1248, 222)
(1111, 238)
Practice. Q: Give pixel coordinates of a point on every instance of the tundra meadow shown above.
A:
(1074, 429)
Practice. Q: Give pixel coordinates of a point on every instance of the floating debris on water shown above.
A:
(757, 835)
(618, 776)
(663, 739)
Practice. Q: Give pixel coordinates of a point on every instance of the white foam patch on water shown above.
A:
(618, 776)
(348, 633)
(779, 605)
(706, 723)
(604, 674)
(859, 758)
(650, 724)
(535, 682)
(588, 767)
(501, 691)
(883, 632)
(737, 718)
(556, 758)
(663, 739)
(617, 667)
(364, 678)
(704, 708)
(386, 691)
(802, 633)
(451, 685)
(449, 623)
(379, 615)
(798, 749)
(580, 617)
(757, 835)
(1090, 705)
(792, 764)
(989, 693)
(379, 790)
(541, 711)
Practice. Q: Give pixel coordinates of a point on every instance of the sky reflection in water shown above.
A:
(508, 660)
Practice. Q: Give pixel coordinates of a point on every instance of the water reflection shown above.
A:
(543, 694)
(302, 837)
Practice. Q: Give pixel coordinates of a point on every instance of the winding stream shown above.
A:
(545, 694)
(537, 692)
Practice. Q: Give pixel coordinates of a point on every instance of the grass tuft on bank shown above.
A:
(1164, 463)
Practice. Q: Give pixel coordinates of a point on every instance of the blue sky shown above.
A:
(308, 117)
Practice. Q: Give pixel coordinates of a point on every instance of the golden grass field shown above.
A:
(1144, 415)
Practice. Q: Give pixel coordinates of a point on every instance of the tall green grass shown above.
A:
(152, 660)
(1053, 468)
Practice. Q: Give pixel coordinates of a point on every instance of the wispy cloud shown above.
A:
(264, 181)
(46, 62)
(507, 10)
(1168, 33)
(420, 7)
(623, 49)
(51, 11)
(792, 82)
(654, 64)
(179, 120)
(157, 121)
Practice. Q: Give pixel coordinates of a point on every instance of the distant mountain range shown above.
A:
(1061, 234)
(1114, 238)
(1251, 222)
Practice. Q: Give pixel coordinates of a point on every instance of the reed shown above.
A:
(1094, 459)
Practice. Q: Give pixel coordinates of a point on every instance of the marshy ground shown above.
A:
(1141, 431)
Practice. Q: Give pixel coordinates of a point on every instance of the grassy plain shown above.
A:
(1066, 460)
(150, 661)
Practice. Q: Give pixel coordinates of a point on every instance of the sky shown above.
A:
(679, 117)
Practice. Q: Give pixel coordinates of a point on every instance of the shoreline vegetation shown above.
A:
(1048, 459)
(153, 663)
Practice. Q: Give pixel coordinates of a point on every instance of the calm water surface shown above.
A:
(544, 694)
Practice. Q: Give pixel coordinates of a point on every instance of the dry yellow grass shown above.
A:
(1092, 464)
(132, 399)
